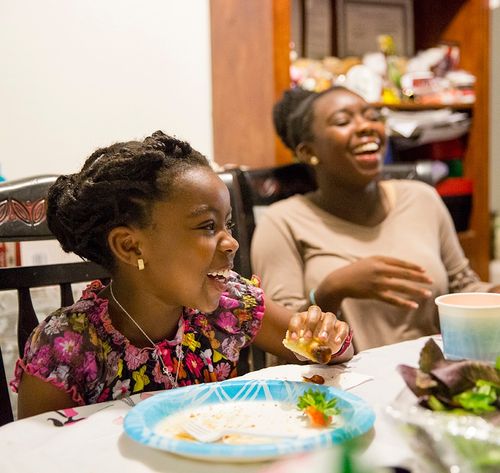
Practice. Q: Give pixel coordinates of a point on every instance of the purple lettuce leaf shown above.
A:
(437, 381)
(431, 357)
(462, 375)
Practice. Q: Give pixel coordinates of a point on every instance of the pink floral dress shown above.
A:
(77, 349)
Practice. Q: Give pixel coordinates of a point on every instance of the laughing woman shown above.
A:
(380, 251)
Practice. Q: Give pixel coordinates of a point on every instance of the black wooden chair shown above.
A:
(268, 185)
(22, 218)
(252, 358)
(242, 216)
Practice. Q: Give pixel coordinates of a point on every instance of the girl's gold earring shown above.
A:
(314, 161)
(140, 264)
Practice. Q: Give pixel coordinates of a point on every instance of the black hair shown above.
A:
(117, 185)
(293, 115)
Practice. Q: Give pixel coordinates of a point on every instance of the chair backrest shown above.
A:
(23, 218)
(268, 185)
(251, 358)
(242, 216)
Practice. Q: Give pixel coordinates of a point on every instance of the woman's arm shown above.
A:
(36, 396)
(383, 278)
(314, 323)
(277, 261)
(461, 277)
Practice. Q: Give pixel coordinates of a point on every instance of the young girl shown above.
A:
(158, 218)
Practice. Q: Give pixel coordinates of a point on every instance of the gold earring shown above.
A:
(314, 161)
(140, 264)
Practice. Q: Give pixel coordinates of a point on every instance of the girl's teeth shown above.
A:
(224, 273)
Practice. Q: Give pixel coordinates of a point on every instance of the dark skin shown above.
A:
(157, 295)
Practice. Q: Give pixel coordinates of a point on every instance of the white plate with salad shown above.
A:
(313, 416)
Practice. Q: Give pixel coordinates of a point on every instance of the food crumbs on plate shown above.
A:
(247, 415)
(315, 378)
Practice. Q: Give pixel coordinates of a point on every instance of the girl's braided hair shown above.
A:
(293, 115)
(117, 185)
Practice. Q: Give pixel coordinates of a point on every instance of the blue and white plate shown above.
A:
(141, 423)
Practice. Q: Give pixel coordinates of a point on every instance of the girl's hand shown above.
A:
(386, 279)
(317, 335)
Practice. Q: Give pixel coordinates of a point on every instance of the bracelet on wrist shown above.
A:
(312, 297)
(344, 347)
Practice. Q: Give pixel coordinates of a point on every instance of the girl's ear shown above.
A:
(124, 245)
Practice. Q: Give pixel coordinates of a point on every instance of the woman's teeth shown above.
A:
(367, 148)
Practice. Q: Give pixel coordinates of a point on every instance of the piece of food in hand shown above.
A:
(315, 378)
(317, 407)
(312, 348)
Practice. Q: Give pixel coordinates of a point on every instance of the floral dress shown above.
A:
(78, 350)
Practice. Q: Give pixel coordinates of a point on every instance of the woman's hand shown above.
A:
(386, 279)
(317, 335)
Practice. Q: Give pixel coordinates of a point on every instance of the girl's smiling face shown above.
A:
(349, 137)
(188, 248)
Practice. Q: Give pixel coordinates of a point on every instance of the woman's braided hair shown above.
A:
(117, 185)
(293, 115)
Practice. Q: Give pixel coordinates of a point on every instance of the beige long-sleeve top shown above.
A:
(296, 245)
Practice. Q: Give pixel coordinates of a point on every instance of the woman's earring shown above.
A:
(140, 264)
(314, 161)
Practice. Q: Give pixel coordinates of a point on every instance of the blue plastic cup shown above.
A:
(470, 325)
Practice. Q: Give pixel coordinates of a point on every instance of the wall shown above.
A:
(81, 74)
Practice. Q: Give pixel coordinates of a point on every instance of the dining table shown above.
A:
(92, 438)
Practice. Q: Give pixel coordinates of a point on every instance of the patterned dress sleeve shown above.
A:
(63, 351)
(240, 314)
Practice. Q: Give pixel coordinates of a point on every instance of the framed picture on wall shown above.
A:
(317, 28)
(360, 22)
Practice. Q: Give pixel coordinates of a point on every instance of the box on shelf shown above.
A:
(439, 150)
(456, 193)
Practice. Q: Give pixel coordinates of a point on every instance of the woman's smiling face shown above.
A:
(188, 247)
(349, 137)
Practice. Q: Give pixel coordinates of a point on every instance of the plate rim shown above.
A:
(137, 428)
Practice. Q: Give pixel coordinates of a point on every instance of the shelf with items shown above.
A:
(413, 106)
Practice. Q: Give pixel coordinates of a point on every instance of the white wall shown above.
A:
(79, 74)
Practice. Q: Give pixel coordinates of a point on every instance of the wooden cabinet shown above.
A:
(467, 23)
(250, 61)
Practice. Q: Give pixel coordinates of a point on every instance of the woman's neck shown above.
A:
(158, 320)
(366, 206)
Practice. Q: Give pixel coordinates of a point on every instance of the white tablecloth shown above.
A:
(92, 437)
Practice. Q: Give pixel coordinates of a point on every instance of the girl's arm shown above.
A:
(313, 323)
(36, 396)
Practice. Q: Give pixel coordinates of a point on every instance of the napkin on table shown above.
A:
(336, 376)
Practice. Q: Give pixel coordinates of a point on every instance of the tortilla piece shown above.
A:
(312, 349)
